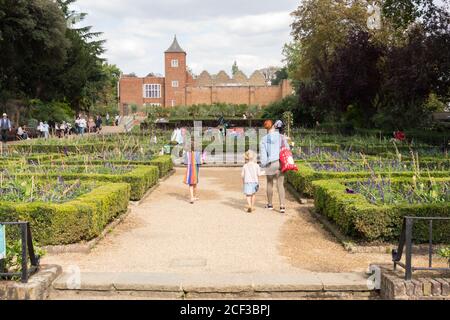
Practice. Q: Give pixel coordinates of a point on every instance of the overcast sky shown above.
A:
(213, 33)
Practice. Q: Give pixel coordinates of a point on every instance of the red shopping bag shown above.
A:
(287, 159)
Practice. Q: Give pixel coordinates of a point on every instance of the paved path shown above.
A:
(167, 234)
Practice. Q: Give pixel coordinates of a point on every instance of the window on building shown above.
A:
(173, 103)
(174, 63)
(152, 91)
(153, 104)
(175, 84)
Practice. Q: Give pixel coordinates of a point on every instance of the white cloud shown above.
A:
(214, 33)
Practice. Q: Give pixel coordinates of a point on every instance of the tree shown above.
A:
(234, 69)
(353, 77)
(269, 73)
(44, 56)
(32, 48)
(319, 27)
(82, 78)
(280, 75)
(405, 12)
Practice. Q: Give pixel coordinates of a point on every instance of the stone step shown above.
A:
(212, 286)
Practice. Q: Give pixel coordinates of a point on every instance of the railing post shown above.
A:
(409, 229)
(24, 232)
(430, 249)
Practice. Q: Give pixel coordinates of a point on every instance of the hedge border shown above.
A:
(81, 219)
(302, 180)
(359, 219)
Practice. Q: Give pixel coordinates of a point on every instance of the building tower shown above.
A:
(176, 75)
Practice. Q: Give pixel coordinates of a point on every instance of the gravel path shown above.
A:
(166, 234)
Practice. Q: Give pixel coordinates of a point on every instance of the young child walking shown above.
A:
(250, 176)
(193, 160)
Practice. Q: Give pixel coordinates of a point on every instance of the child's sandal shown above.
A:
(283, 210)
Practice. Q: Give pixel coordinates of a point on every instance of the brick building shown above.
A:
(179, 87)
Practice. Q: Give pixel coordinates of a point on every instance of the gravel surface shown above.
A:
(166, 234)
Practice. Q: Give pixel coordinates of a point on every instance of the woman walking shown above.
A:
(270, 148)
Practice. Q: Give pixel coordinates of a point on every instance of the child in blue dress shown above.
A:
(250, 176)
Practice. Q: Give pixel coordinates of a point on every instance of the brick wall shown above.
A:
(236, 95)
(425, 287)
(178, 95)
(131, 91)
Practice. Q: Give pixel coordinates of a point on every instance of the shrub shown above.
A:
(164, 164)
(358, 218)
(81, 219)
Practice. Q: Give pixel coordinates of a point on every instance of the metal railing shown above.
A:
(27, 252)
(406, 244)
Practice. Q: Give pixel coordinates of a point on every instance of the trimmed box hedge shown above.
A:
(81, 219)
(65, 149)
(302, 180)
(164, 163)
(141, 178)
(29, 158)
(363, 221)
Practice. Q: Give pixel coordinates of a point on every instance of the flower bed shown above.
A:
(17, 158)
(80, 219)
(302, 180)
(140, 178)
(58, 191)
(164, 163)
(366, 221)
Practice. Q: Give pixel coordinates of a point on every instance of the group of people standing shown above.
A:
(45, 129)
(270, 150)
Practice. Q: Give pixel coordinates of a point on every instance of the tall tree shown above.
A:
(32, 47)
(83, 77)
(319, 27)
(405, 12)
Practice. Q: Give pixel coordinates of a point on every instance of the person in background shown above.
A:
(116, 121)
(62, 129)
(21, 133)
(107, 119)
(70, 130)
(91, 125)
(46, 130)
(5, 127)
(98, 123)
(177, 136)
(57, 130)
(40, 129)
(82, 125)
(77, 125)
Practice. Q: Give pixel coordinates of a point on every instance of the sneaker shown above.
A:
(283, 210)
(269, 207)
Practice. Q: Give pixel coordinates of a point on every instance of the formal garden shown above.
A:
(367, 123)
(71, 190)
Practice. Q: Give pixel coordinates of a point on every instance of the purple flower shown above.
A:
(350, 191)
